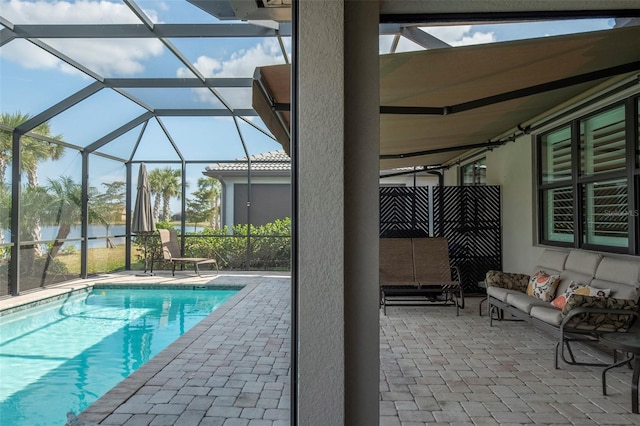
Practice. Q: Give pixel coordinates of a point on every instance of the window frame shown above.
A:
(579, 182)
(476, 176)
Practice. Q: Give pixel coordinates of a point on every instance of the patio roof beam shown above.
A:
(6, 35)
(488, 144)
(119, 131)
(258, 128)
(423, 38)
(176, 82)
(139, 13)
(108, 156)
(202, 112)
(77, 65)
(141, 31)
(138, 140)
(171, 141)
(61, 106)
(487, 17)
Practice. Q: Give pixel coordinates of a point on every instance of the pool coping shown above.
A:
(65, 293)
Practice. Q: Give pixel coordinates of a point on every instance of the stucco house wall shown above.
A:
(270, 195)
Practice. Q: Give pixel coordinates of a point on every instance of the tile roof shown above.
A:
(266, 161)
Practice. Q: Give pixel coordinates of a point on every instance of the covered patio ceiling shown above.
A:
(438, 103)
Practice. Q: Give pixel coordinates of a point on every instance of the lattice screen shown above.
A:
(468, 216)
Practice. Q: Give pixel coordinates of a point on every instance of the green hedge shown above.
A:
(270, 246)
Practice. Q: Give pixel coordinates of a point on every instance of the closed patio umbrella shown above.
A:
(143, 223)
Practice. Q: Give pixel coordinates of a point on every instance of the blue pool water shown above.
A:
(64, 355)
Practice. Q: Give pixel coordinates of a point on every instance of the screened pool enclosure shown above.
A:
(92, 90)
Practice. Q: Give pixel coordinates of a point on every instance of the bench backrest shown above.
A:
(396, 261)
(431, 257)
(411, 260)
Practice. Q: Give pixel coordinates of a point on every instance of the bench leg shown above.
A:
(634, 385)
(614, 365)
(480, 306)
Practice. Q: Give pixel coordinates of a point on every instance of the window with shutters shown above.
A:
(588, 181)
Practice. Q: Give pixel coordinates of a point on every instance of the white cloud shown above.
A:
(66, 12)
(240, 64)
(459, 35)
(475, 38)
(105, 56)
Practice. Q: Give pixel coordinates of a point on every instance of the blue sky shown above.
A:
(31, 80)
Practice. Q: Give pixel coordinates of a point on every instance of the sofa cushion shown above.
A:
(577, 288)
(567, 277)
(600, 322)
(524, 302)
(552, 261)
(547, 314)
(543, 285)
(583, 262)
(507, 280)
(622, 276)
(501, 293)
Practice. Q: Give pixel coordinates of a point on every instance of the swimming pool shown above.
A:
(62, 356)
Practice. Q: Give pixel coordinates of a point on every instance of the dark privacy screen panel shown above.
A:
(468, 216)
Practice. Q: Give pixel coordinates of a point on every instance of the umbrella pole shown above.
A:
(145, 236)
(145, 252)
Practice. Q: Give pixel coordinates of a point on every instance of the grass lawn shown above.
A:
(101, 260)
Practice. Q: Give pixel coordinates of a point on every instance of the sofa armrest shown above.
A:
(599, 313)
(507, 280)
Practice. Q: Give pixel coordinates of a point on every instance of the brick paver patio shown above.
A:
(436, 368)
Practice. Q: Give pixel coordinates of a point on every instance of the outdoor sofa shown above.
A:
(576, 294)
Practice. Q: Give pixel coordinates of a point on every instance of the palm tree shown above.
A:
(5, 214)
(33, 151)
(155, 182)
(205, 206)
(108, 206)
(172, 188)
(64, 209)
(33, 201)
(165, 184)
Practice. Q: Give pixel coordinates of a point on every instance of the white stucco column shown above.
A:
(338, 148)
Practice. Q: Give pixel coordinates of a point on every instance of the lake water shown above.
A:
(100, 231)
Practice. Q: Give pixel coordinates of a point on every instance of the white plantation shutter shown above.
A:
(602, 143)
(606, 213)
(603, 150)
(556, 156)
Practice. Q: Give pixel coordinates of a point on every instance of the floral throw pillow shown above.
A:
(543, 286)
(581, 289)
